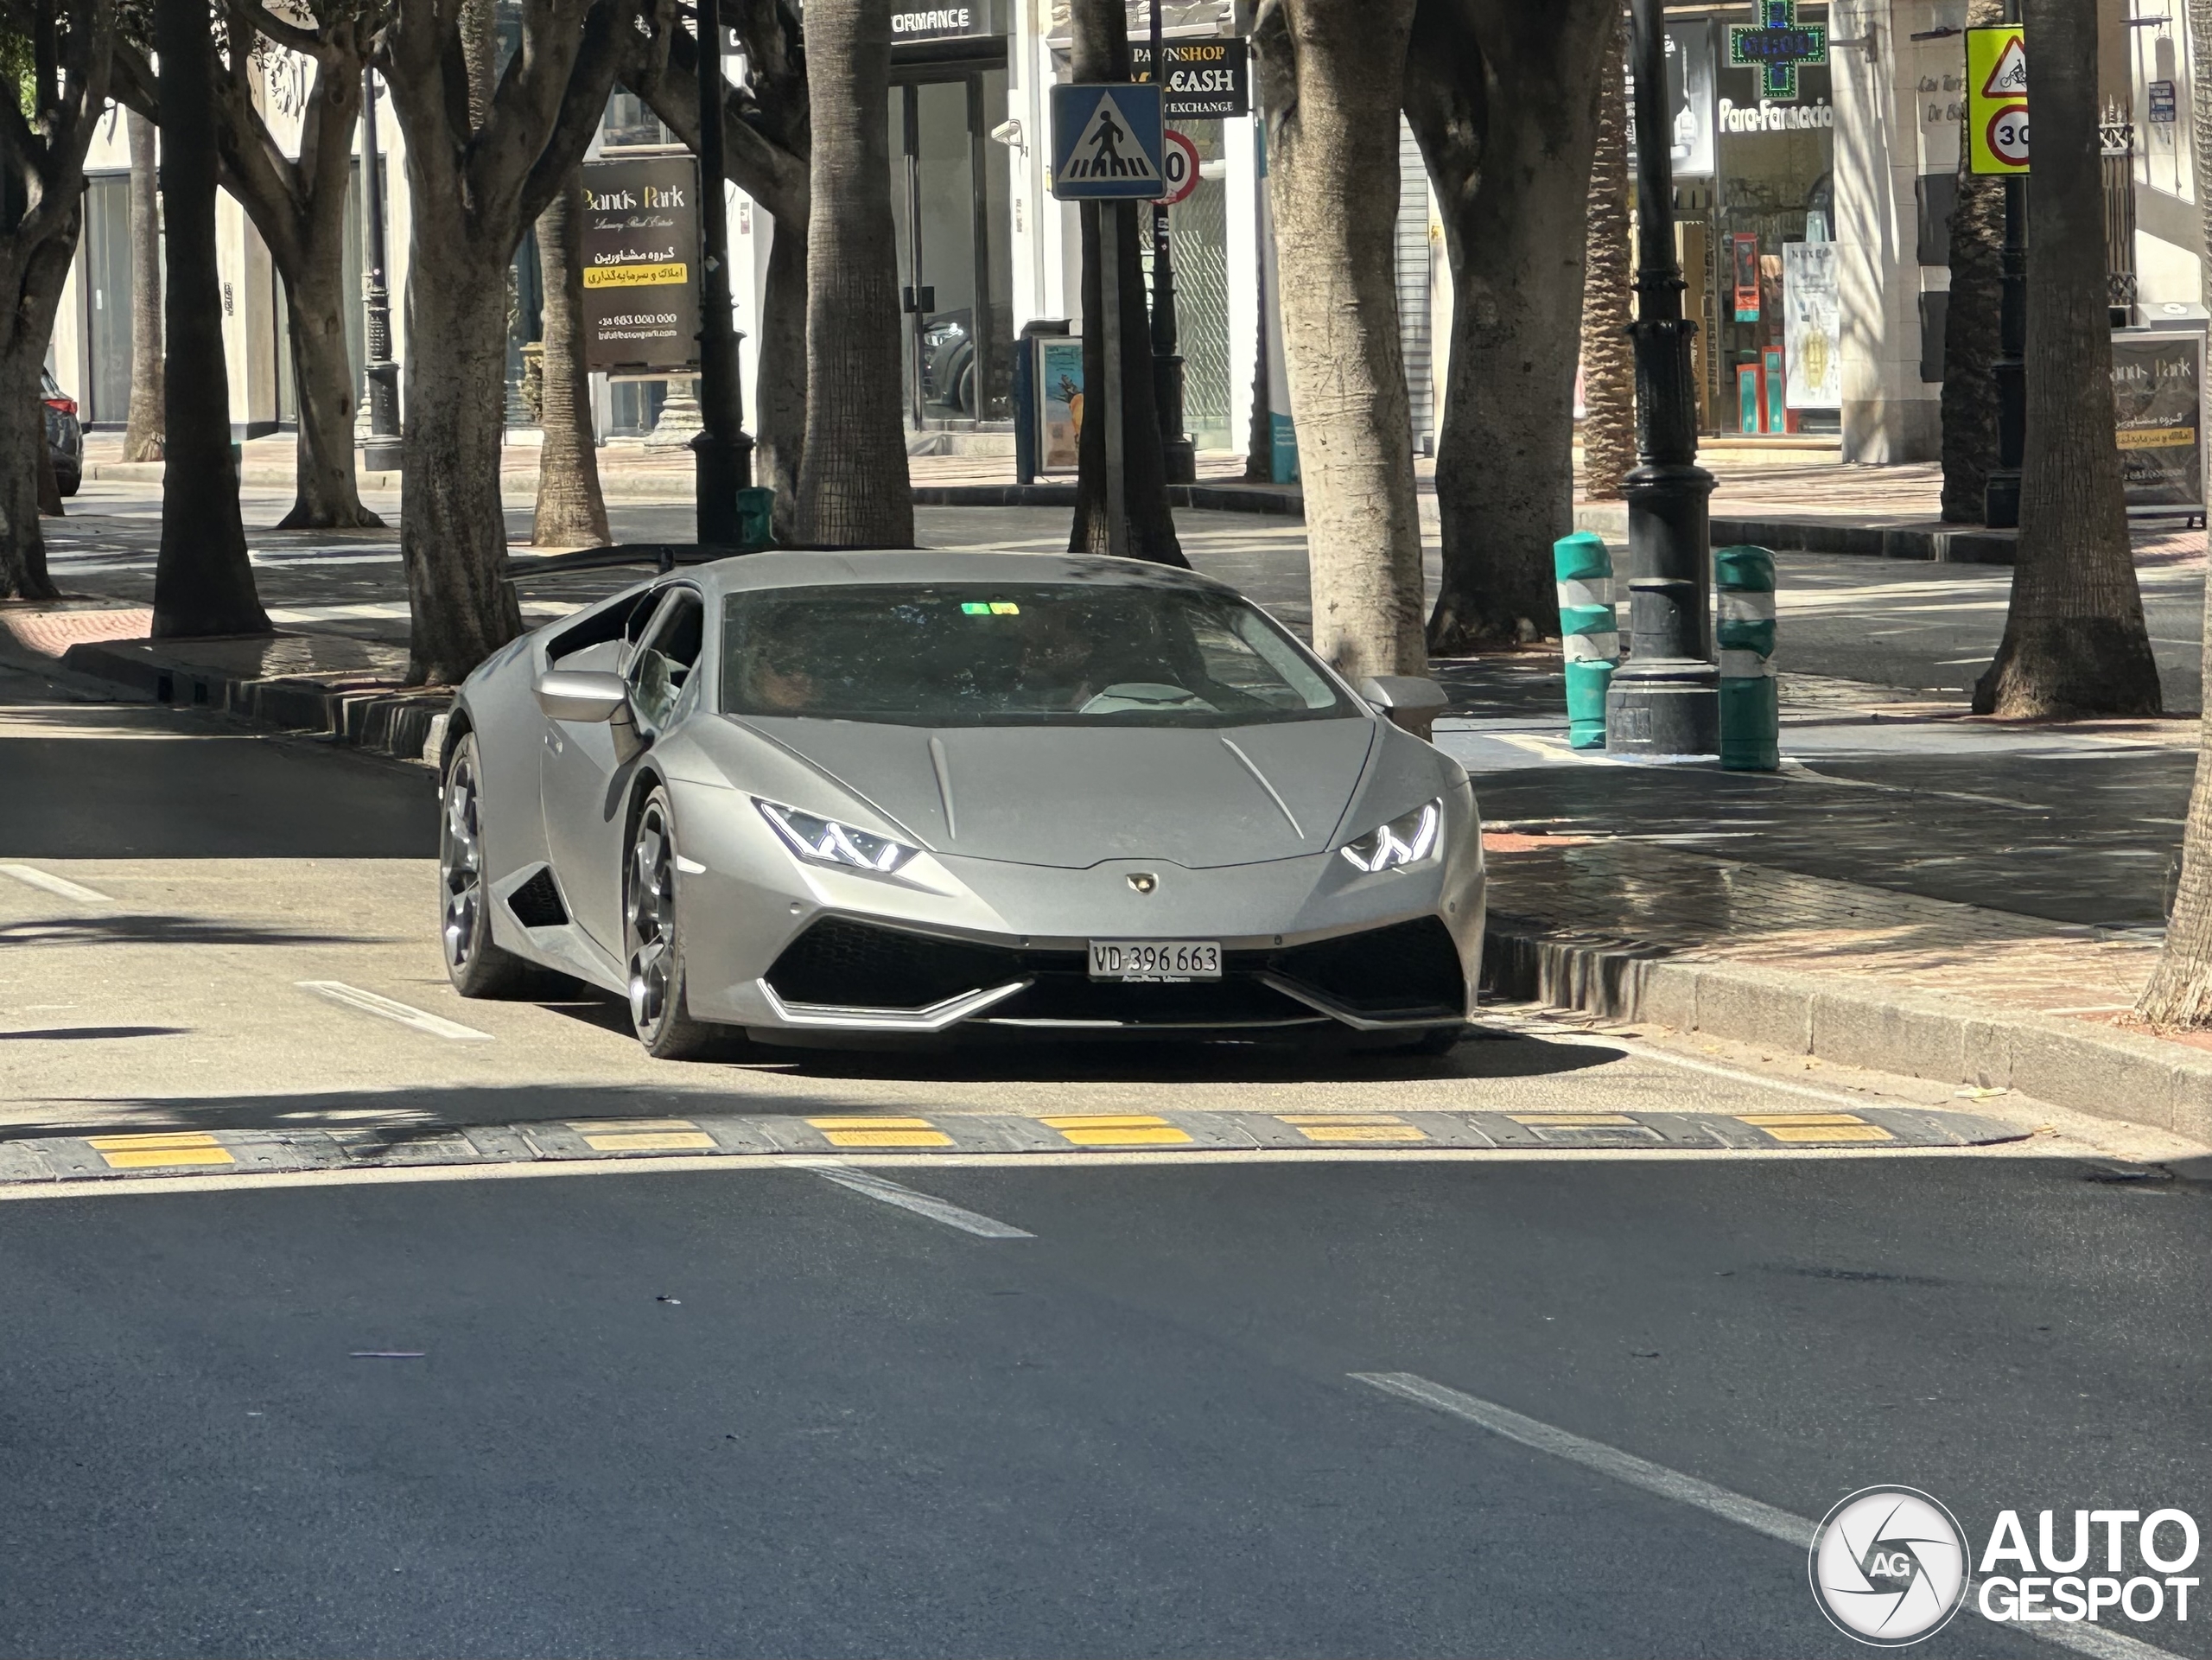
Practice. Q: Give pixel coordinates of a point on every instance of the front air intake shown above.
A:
(857, 965)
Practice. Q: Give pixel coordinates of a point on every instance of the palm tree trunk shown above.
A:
(2075, 641)
(202, 582)
(2180, 992)
(1503, 98)
(1608, 360)
(570, 511)
(141, 431)
(1099, 50)
(852, 491)
(1332, 73)
(1970, 328)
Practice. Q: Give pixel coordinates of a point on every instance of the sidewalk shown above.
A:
(1791, 495)
(1919, 892)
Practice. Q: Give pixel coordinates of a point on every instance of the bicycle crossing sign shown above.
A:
(1108, 141)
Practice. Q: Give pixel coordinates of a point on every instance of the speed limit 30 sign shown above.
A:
(1179, 162)
(1997, 100)
(2006, 135)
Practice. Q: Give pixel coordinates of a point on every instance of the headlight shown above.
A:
(824, 841)
(1404, 840)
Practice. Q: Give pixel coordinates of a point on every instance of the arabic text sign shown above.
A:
(641, 241)
(2156, 379)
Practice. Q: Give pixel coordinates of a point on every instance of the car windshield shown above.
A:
(1019, 654)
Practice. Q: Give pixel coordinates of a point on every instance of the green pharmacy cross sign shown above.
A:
(1776, 46)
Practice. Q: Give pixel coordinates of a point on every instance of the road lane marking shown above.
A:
(368, 1003)
(32, 876)
(1118, 1129)
(1573, 1120)
(871, 1131)
(886, 1192)
(158, 1151)
(1633, 1471)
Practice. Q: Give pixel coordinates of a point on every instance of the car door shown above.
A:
(585, 766)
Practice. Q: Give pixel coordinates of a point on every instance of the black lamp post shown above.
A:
(2000, 508)
(380, 450)
(1178, 454)
(1665, 700)
(722, 450)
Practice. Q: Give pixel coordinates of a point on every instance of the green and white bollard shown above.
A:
(1589, 638)
(1750, 710)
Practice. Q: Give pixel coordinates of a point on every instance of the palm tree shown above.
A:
(853, 487)
(141, 431)
(1608, 360)
(2075, 641)
(1503, 98)
(2180, 992)
(202, 582)
(1331, 72)
(571, 511)
(1970, 327)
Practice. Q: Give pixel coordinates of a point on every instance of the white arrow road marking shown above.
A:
(1627, 1468)
(369, 1002)
(31, 876)
(937, 1210)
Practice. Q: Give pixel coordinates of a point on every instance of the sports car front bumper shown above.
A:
(774, 944)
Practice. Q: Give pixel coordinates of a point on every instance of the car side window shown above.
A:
(665, 661)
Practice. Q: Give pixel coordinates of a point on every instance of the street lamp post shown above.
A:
(380, 450)
(722, 451)
(1665, 699)
(1178, 454)
(2000, 500)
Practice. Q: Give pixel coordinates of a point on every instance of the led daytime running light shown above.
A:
(824, 841)
(1404, 840)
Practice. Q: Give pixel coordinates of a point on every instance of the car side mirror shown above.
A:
(583, 695)
(1410, 701)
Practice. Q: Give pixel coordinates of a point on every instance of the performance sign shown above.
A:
(1206, 79)
(1997, 100)
(641, 250)
(2156, 379)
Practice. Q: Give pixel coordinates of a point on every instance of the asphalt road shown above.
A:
(751, 1409)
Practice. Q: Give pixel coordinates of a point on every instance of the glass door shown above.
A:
(948, 199)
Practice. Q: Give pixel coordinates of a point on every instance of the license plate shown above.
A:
(1155, 959)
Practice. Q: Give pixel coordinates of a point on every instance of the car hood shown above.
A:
(1073, 797)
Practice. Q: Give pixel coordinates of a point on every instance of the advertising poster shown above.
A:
(2157, 382)
(1743, 262)
(641, 240)
(1689, 96)
(1059, 403)
(1812, 325)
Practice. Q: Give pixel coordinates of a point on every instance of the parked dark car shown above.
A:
(948, 363)
(65, 436)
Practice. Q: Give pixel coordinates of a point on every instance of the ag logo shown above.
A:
(1889, 1566)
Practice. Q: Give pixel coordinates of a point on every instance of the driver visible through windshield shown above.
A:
(966, 654)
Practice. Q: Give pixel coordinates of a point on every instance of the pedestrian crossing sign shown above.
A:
(1107, 142)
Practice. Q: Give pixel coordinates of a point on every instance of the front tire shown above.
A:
(653, 942)
(477, 966)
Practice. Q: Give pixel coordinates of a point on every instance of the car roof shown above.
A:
(919, 566)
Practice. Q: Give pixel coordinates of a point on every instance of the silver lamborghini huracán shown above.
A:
(805, 796)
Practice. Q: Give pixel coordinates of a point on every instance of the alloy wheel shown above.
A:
(461, 862)
(652, 914)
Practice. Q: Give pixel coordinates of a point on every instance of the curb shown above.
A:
(1855, 1022)
(1208, 497)
(1967, 547)
(403, 725)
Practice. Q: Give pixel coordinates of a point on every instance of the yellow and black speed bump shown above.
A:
(124, 1154)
